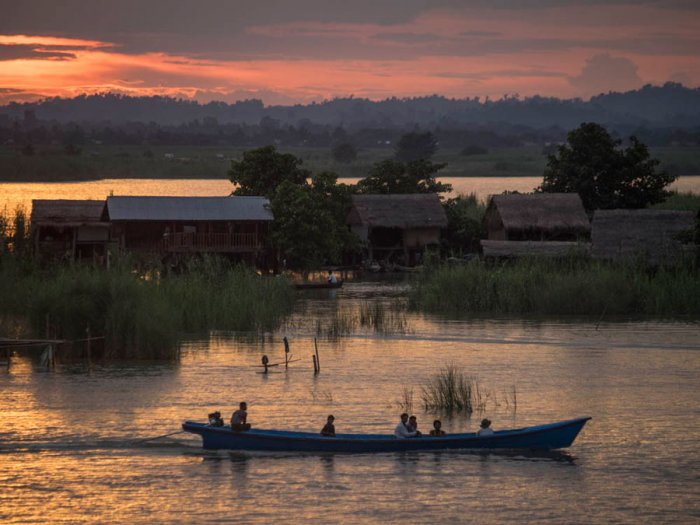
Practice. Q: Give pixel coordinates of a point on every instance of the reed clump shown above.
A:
(572, 286)
(141, 315)
(452, 390)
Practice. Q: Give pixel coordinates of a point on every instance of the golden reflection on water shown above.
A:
(69, 448)
(13, 194)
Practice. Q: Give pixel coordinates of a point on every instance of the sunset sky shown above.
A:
(310, 50)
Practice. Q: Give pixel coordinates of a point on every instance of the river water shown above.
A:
(69, 450)
(13, 194)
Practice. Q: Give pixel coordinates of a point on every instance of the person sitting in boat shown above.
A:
(402, 430)
(332, 279)
(215, 419)
(485, 428)
(437, 429)
(239, 418)
(329, 429)
(413, 425)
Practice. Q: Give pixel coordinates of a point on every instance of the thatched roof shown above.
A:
(545, 212)
(188, 209)
(415, 210)
(66, 212)
(639, 233)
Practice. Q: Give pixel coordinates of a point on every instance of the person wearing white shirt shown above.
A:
(402, 431)
(485, 429)
(332, 279)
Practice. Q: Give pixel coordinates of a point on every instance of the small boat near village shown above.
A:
(318, 286)
(551, 436)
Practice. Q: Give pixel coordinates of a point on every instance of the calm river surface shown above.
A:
(68, 450)
(13, 194)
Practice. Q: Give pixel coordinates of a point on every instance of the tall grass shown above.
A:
(452, 390)
(569, 287)
(141, 316)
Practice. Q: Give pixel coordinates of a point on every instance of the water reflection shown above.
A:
(72, 434)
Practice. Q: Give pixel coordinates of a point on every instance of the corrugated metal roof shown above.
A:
(189, 209)
(66, 212)
(420, 210)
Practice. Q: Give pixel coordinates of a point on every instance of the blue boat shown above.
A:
(543, 437)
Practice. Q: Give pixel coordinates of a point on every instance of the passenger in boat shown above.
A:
(329, 429)
(485, 428)
(413, 425)
(215, 419)
(332, 279)
(437, 429)
(402, 430)
(239, 418)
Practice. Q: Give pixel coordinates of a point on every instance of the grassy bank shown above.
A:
(141, 316)
(543, 287)
(50, 164)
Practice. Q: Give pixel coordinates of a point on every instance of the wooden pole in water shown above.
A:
(265, 360)
(318, 361)
(286, 352)
(89, 354)
(315, 364)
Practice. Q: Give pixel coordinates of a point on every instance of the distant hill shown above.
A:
(669, 106)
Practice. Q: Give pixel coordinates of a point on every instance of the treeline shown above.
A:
(658, 111)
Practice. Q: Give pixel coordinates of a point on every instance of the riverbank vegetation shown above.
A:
(574, 286)
(141, 315)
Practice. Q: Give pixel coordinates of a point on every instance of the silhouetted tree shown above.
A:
(392, 176)
(596, 166)
(262, 170)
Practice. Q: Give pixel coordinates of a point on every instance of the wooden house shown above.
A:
(538, 224)
(648, 235)
(397, 228)
(232, 226)
(70, 229)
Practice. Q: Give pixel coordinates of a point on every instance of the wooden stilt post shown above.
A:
(89, 352)
(265, 361)
(318, 361)
(313, 357)
(286, 352)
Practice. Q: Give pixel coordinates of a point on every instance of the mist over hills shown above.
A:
(669, 106)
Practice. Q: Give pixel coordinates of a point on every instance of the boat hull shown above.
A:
(318, 286)
(544, 437)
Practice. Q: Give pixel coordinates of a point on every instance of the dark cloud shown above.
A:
(407, 38)
(24, 51)
(603, 73)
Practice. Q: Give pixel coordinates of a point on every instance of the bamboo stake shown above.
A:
(318, 361)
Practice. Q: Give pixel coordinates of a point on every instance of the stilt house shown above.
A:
(652, 236)
(232, 226)
(543, 224)
(397, 228)
(70, 229)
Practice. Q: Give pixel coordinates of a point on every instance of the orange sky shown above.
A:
(549, 48)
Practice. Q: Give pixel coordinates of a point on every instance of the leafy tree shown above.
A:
(416, 146)
(309, 228)
(392, 176)
(262, 170)
(605, 175)
(344, 152)
(465, 215)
